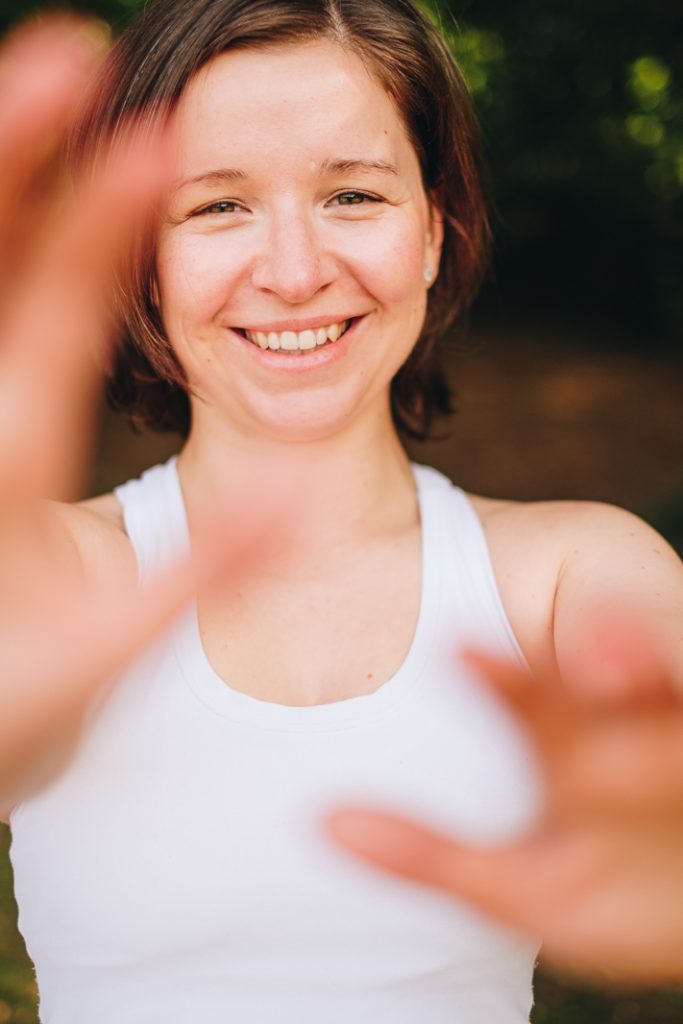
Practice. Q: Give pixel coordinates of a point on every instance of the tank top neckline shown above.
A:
(217, 694)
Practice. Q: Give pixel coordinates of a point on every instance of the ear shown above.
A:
(434, 237)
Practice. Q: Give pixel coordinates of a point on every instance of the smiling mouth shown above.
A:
(297, 341)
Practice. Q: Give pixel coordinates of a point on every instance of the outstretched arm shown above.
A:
(68, 621)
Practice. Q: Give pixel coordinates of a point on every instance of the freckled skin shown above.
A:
(288, 249)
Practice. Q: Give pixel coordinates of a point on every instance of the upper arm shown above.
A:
(55, 539)
(565, 570)
(617, 572)
(42, 554)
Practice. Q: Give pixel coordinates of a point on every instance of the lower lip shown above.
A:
(300, 362)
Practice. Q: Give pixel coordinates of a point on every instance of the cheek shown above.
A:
(194, 278)
(392, 265)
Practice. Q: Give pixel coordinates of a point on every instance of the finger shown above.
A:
(57, 331)
(550, 714)
(601, 899)
(601, 755)
(611, 660)
(507, 678)
(44, 69)
(519, 884)
(83, 636)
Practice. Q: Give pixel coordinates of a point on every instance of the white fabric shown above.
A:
(177, 871)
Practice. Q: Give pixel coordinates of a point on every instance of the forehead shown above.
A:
(310, 97)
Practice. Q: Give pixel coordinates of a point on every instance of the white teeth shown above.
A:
(307, 340)
(293, 341)
(289, 341)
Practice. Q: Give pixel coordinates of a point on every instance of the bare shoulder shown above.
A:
(583, 522)
(97, 532)
(555, 556)
(105, 507)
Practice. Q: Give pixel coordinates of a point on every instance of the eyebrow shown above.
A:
(226, 175)
(221, 176)
(338, 166)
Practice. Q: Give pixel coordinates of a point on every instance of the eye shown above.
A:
(353, 198)
(220, 206)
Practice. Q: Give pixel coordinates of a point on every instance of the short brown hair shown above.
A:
(147, 71)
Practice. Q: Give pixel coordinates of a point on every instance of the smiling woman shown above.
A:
(408, 68)
(326, 228)
(323, 222)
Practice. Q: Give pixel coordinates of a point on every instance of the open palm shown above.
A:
(601, 876)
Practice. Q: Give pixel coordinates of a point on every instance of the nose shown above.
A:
(294, 264)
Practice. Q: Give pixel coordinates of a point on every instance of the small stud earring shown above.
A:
(428, 274)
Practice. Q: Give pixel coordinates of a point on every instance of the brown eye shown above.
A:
(355, 198)
(222, 206)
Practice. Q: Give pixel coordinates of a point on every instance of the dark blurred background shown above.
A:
(569, 382)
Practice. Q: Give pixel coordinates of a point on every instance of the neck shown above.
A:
(354, 484)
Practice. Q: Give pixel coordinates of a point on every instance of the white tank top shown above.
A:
(177, 871)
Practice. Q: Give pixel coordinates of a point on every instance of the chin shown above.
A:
(305, 418)
(304, 429)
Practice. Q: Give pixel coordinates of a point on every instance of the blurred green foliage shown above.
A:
(17, 987)
(582, 114)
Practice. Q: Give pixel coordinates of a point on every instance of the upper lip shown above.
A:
(309, 324)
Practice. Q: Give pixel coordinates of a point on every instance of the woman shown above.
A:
(324, 222)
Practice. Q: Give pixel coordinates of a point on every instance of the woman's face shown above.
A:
(291, 263)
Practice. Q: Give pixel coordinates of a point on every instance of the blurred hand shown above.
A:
(601, 877)
(61, 635)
